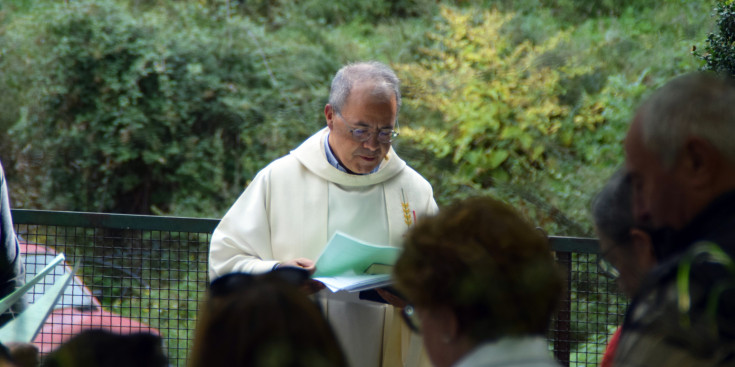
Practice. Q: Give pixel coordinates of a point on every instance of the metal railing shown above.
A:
(153, 270)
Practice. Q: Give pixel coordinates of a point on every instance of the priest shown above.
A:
(346, 178)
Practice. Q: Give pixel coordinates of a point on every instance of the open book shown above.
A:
(353, 265)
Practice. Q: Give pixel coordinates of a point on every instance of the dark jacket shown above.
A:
(684, 312)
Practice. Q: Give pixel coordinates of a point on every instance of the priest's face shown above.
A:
(358, 133)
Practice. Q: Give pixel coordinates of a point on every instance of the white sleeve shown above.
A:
(242, 241)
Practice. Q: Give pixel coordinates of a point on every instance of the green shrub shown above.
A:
(567, 12)
(575, 9)
(501, 104)
(139, 111)
(332, 13)
(719, 52)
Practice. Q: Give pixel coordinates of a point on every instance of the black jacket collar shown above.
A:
(716, 223)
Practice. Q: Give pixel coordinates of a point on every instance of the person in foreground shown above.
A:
(626, 252)
(482, 286)
(102, 348)
(12, 270)
(346, 178)
(680, 158)
(263, 321)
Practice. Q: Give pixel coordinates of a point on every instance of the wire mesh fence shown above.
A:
(146, 273)
(590, 311)
(137, 273)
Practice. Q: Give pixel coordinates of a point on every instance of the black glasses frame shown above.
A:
(411, 318)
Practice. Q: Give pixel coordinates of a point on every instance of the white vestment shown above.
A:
(293, 206)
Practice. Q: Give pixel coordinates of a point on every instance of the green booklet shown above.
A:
(349, 264)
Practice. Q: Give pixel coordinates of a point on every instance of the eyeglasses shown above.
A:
(233, 282)
(607, 268)
(411, 318)
(385, 136)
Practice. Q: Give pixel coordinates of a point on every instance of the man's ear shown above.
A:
(329, 115)
(701, 162)
(643, 249)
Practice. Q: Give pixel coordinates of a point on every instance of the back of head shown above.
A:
(489, 266)
(612, 209)
(98, 348)
(698, 104)
(6, 359)
(384, 79)
(264, 323)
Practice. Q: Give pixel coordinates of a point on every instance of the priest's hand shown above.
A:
(302, 263)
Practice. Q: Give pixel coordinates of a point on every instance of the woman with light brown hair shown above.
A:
(482, 286)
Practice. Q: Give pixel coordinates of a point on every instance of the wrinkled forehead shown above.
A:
(373, 91)
(365, 106)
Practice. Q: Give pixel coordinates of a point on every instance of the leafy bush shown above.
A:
(501, 103)
(140, 112)
(719, 52)
(573, 10)
(279, 13)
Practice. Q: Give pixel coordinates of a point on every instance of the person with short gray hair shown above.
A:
(347, 178)
(351, 74)
(698, 104)
(680, 163)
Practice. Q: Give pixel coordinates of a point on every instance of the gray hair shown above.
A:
(387, 82)
(699, 104)
(612, 209)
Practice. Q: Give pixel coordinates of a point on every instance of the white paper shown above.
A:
(342, 264)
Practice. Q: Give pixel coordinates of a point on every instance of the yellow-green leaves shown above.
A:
(500, 100)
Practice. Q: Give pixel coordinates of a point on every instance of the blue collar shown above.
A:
(332, 159)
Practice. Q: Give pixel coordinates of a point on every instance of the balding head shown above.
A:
(679, 150)
(697, 104)
(385, 83)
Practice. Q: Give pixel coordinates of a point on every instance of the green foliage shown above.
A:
(719, 52)
(279, 13)
(500, 102)
(566, 12)
(570, 10)
(623, 58)
(141, 112)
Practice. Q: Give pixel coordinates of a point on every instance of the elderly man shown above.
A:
(346, 177)
(680, 158)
